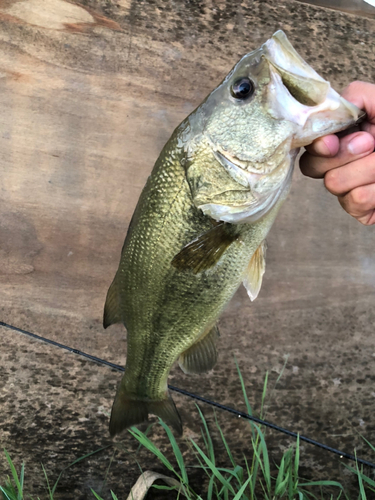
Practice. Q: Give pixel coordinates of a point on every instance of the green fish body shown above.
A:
(199, 227)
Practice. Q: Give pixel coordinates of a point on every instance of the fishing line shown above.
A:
(239, 414)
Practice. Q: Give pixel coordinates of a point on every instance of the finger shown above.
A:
(360, 204)
(351, 148)
(368, 127)
(341, 180)
(362, 94)
(326, 146)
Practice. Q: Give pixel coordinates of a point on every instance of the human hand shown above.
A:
(348, 164)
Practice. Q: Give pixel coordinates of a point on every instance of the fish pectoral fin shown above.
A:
(205, 251)
(112, 311)
(254, 272)
(201, 356)
(127, 411)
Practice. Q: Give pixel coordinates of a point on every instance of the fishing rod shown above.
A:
(240, 414)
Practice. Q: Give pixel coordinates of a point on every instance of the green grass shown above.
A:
(13, 488)
(251, 477)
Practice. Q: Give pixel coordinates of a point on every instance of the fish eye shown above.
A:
(242, 88)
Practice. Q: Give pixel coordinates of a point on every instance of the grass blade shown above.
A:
(6, 494)
(366, 479)
(214, 469)
(50, 494)
(177, 452)
(76, 462)
(147, 443)
(96, 495)
(241, 490)
(15, 476)
(229, 453)
(264, 395)
(244, 392)
(296, 459)
(210, 488)
(360, 482)
(323, 483)
(207, 438)
(266, 463)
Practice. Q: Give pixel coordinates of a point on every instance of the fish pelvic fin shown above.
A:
(201, 356)
(255, 270)
(204, 252)
(112, 311)
(127, 411)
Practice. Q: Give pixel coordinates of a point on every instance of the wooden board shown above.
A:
(89, 94)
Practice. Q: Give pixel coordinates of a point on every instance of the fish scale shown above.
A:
(199, 227)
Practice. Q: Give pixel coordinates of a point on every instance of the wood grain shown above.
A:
(89, 93)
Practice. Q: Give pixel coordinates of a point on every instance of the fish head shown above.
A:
(255, 121)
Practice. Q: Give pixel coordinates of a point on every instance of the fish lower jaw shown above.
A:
(326, 129)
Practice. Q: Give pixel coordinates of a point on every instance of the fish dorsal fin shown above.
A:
(254, 272)
(205, 251)
(112, 311)
(201, 356)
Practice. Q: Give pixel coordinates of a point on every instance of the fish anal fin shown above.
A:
(201, 356)
(205, 251)
(112, 310)
(254, 272)
(127, 411)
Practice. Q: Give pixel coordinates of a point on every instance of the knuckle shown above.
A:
(355, 92)
(367, 219)
(361, 198)
(365, 222)
(353, 86)
(332, 182)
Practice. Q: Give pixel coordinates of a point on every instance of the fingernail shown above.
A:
(327, 146)
(360, 144)
(323, 147)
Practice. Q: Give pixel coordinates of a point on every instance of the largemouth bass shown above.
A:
(200, 225)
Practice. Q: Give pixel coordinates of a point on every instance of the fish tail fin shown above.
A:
(127, 410)
(167, 411)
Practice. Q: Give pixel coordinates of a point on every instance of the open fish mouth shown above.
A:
(285, 105)
(300, 95)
